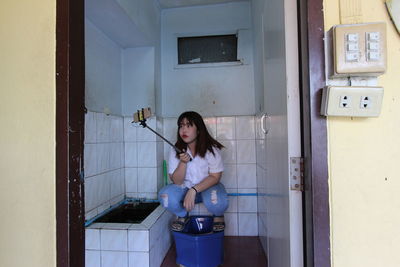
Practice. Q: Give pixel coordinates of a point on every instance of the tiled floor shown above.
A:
(238, 251)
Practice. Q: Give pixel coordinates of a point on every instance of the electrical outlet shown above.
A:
(345, 101)
(351, 101)
(365, 102)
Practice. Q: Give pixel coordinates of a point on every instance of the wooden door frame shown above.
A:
(314, 135)
(70, 106)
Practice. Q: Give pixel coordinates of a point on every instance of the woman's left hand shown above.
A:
(188, 202)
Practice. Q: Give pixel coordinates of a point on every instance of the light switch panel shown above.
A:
(358, 50)
(352, 101)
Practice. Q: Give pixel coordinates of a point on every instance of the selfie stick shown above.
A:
(141, 115)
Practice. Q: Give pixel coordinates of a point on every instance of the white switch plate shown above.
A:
(359, 101)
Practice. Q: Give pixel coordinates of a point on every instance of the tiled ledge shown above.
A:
(129, 245)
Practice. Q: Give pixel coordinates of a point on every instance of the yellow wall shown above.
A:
(364, 158)
(27, 136)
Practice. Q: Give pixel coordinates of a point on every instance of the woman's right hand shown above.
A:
(184, 157)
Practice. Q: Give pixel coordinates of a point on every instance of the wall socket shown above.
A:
(352, 101)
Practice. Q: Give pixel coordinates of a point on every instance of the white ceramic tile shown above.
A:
(114, 259)
(131, 156)
(131, 195)
(92, 239)
(229, 177)
(130, 129)
(147, 180)
(231, 224)
(258, 129)
(233, 201)
(103, 187)
(115, 240)
(167, 149)
(117, 226)
(226, 128)
(103, 207)
(247, 175)
(91, 200)
(90, 159)
(261, 177)
(115, 155)
(248, 224)
(147, 154)
(103, 123)
(159, 128)
(117, 199)
(92, 258)
(156, 230)
(116, 129)
(247, 203)
(245, 127)
(151, 195)
(138, 259)
(144, 134)
(103, 157)
(138, 240)
(261, 153)
(155, 256)
(246, 151)
(160, 178)
(211, 124)
(90, 127)
(116, 183)
(170, 129)
(131, 180)
(90, 214)
(228, 153)
(159, 153)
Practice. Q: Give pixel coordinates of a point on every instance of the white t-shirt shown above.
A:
(199, 168)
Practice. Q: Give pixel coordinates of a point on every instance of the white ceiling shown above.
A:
(182, 3)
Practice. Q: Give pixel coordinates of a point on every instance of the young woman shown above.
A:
(195, 174)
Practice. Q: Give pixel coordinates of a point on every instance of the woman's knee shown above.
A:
(215, 199)
(169, 196)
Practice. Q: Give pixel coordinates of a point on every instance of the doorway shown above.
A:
(69, 163)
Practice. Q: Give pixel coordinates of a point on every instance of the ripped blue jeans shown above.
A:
(215, 199)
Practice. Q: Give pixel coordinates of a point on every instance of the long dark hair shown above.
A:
(204, 140)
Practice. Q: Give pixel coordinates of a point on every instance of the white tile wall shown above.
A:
(248, 224)
(103, 162)
(247, 175)
(138, 155)
(92, 258)
(261, 181)
(246, 151)
(138, 240)
(143, 245)
(92, 239)
(245, 128)
(144, 153)
(131, 181)
(238, 135)
(226, 128)
(116, 240)
(114, 258)
(139, 259)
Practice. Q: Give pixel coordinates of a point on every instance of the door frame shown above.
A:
(70, 110)
(316, 216)
(70, 104)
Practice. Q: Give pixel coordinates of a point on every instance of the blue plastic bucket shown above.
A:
(197, 245)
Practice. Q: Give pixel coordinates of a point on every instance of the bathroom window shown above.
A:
(207, 49)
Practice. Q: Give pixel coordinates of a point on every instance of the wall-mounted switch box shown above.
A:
(357, 50)
(352, 101)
